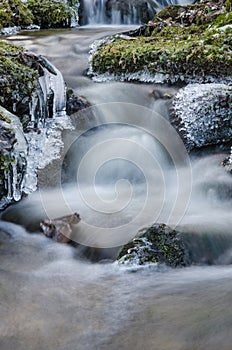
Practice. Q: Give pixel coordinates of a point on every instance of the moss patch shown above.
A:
(184, 46)
(157, 244)
(18, 78)
(47, 14)
(50, 14)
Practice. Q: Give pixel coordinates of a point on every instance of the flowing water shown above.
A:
(95, 12)
(53, 298)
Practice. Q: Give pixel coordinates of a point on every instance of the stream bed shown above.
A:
(52, 298)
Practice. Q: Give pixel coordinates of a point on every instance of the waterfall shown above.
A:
(93, 12)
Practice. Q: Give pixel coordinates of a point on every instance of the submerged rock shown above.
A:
(75, 103)
(157, 244)
(202, 114)
(160, 244)
(60, 229)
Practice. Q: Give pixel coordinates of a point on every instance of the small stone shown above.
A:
(60, 229)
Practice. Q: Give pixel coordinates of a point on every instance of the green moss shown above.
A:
(18, 79)
(169, 12)
(42, 12)
(21, 14)
(50, 14)
(222, 20)
(175, 50)
(4, 117)
(157, 244)
(228, 5)
(5, 14)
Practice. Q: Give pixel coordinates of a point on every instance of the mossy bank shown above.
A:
(190, 43)
(44, 13)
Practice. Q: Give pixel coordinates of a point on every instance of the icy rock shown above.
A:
(202, 114)
(157, 244)
(13, 155)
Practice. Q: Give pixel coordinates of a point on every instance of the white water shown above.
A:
(97, 12)
(54, 300)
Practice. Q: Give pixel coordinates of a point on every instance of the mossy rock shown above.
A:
(160, 244)
(47, 14)
(169, 12)
(171, 48)
(18, 81)
(21, 13)
(157, 244)
(5, 14)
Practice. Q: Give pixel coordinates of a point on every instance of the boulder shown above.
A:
(157, 244)
(162, 245)
(202, 114)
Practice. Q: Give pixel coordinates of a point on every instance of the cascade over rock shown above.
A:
(121, 12)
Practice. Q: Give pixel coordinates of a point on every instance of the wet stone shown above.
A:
(60, 229)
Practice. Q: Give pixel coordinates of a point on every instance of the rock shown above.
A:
(33, 94)
(168, 49)
(75, 103)
(60, 229)
(202, 114)
(227, 163)
(45, 13)
(160, 244)
(157, 244)
(13, 155)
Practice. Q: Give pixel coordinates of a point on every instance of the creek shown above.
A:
(55, 299)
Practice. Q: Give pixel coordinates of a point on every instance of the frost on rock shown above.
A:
(144, 75)
(24, 151)
(140, 254)
(13, 154)
(158, 244)
(45, 147)
(48, 120)
(202, 114)
(9, 30)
